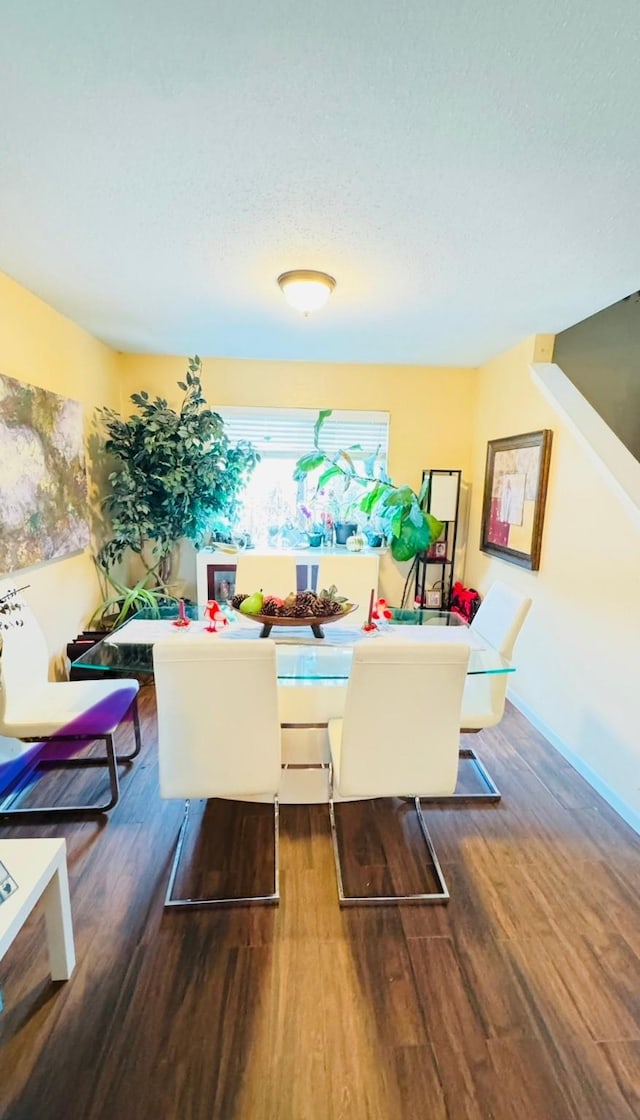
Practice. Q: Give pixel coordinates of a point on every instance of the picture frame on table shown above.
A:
(515, 490)
(433, 598)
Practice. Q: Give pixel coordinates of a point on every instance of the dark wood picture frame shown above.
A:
(515, 490)
(216, 575)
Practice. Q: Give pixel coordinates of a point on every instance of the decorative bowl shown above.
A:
(316, 622)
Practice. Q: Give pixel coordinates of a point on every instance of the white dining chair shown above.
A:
(218, 731)
(355, 576)
(498, 621)
(407, 746)
(36, 710)
(274, 575)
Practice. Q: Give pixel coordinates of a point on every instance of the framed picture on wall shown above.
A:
(515, 489)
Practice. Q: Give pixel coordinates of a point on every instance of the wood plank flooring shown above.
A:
(518, 1001)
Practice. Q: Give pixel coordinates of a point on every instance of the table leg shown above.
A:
(57, 906)
(317, 631)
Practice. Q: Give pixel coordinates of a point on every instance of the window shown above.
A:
(275, 505)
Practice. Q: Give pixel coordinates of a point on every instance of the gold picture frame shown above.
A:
(515, 490)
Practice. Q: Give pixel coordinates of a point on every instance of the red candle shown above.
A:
(182, 619)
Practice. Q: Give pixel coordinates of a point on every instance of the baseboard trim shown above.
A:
(627, 812)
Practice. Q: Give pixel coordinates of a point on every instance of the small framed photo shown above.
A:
(437, 550)
(433, 598)
(221, 582)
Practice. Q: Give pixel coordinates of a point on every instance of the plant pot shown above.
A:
(315, 540)
(345, 529)
(374, 540)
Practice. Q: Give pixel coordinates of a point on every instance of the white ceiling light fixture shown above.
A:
(305, 289)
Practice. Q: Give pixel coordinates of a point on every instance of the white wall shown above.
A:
(578, 658)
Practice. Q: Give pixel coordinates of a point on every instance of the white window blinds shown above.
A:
(288, 432)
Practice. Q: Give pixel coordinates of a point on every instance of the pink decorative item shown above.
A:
(182, 619)
(381, 612)
(217, 619)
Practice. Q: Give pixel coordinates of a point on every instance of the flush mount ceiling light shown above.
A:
(305, 289)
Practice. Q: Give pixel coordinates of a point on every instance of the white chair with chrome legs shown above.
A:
(51, 713)
(405, 747)
(499, 621)
(275, 575)
(218, 731)
(355, 576)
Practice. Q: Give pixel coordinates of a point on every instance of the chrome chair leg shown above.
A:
(439, 896)
(247, 900)
(58, 812)
(488, 796)
(136, 731)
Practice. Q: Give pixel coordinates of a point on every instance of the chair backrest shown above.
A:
(401, 727)
(218, 720)
(275, 575)
(355, 576)
(24, 660)
(500, 617)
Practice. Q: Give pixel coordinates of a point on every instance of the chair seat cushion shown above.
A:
(91, 708)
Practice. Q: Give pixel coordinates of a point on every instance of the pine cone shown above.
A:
(237, 600)
(305, 602)
(270, 607)
(322, 606)
(301, 607)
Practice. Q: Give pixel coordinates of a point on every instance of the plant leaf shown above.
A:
(330, 473)
(317, 427)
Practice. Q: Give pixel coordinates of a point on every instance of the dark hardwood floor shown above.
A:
(518, 1001)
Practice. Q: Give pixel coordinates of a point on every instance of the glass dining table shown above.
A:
(313, 673)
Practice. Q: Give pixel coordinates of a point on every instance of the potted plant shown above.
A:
(409, 528)
(176, 476)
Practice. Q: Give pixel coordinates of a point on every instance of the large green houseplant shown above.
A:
(408, 526)
(175, 476)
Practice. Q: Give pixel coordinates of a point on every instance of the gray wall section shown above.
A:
(601, 355)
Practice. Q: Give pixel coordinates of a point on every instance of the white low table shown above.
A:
(39, 867)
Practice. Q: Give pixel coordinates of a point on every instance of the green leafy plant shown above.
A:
(399, 509)
(124, 601)
(176, 476)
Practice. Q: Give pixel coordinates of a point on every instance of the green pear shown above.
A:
(253, 605)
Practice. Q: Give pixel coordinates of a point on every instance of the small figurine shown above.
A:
(216, 617)
(381, 612)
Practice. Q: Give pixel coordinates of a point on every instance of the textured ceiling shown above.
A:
(467, 172)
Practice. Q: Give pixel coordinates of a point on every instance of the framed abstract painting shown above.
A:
(43, 478)
(515, 488)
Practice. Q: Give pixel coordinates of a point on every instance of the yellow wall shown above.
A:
(41, 347)
(577, 658)
(431, 408)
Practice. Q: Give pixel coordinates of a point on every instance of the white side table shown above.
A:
(39, 867)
